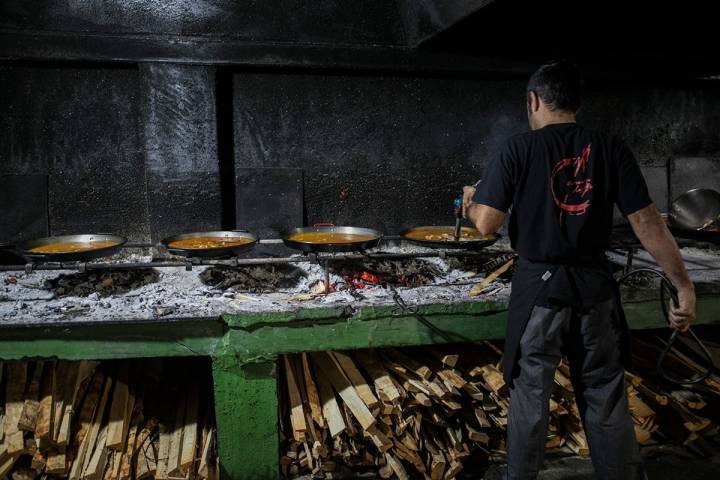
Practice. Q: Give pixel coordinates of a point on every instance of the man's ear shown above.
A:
(533, 101)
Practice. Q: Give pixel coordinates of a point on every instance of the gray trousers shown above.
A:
(592, 345)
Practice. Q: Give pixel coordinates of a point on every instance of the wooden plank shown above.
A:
(204, 467)
(43, 425)
(146, 453)
(297, 413)
(166, 433)
(379, 439)
(312, 393)
(96, 466)
(173, 463)
(381, 378)
(345, 363)
(73, 394)
(330, 409)
(56, 464)
(494, 378)
(57, 396)
(14, 403)
(344, 388)
(190, 431)
(410, 363)
(112, 469)
(437, 466)
(451, 378)
(72, 384)
(452, 472)
(85, 420)
(28, 417)
(118, 421)
(478, 289)
(474, 392)
(396, 467)
(126, 459)
(422, 399)
(38, 461)
(91, 431)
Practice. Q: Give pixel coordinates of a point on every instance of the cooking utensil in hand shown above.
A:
(458, 217)
(695, 209)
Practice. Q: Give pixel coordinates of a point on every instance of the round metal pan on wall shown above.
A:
(429, 236)
(79, 247)
(329, 238)
(220, 237)
(695, 209)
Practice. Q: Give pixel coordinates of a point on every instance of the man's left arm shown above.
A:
(485, 205)
(485, 218)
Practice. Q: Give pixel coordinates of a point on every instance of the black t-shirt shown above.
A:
(562, 181)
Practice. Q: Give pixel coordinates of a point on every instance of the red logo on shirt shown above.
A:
(570, 186)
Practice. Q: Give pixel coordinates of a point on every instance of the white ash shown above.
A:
(180, 294)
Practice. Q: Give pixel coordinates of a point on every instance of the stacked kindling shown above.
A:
(429, 411)
(87, 420)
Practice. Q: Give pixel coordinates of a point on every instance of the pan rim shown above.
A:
(345, 229)
(214, 233)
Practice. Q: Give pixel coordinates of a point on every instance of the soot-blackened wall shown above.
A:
(78, 128)
(392, 152)
(154, 149)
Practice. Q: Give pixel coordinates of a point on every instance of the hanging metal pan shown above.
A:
(210, 244)
(444, 237)
(72, 248)
(695, 209)
(329, 238)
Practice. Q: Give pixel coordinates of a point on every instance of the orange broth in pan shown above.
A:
(73, 247)
(445, 234)
(331, 237)
(201, 243)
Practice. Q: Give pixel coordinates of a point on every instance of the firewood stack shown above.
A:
(89, 420)
(426, 412)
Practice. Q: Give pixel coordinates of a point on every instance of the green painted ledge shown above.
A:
(258, 336)
(100, 342)
(255, 336)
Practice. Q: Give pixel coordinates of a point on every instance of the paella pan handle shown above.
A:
(323, 224)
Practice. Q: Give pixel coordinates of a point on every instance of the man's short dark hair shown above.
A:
(558, 84)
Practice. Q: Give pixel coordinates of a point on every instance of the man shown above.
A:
(562, 180)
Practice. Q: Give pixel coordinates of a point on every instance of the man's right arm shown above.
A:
(651, 230)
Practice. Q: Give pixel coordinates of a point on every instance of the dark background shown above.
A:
(152, 118)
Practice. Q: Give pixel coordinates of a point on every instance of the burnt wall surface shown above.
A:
(150, 150)
(337, 22)
(79, 127)
(178, 119)
(392, 152)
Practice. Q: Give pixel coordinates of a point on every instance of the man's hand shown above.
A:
(651, 230)
(684, 314)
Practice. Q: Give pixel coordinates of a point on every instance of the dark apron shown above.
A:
(582, 283)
